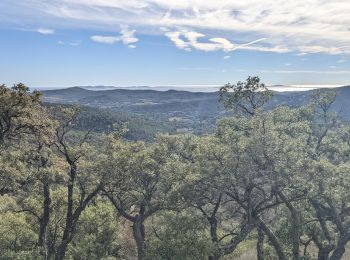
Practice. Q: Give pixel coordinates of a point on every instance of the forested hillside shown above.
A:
(173, 111)
(189, 104)
(150, 112)
(267, 181)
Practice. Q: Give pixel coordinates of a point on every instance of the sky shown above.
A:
(61, 43)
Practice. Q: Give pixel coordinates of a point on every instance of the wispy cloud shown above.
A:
(322, 49)
(188, 40)
(75, 43)
(127, 37)
(105, 39)
(317, 27)
(45, 31)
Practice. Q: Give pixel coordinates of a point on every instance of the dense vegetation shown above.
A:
(272, 184)
(105, 120)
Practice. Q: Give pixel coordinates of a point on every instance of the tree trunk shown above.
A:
(45, 220)
(215, 255)
(61, 252)
(139, 236)
(260, 245)
(295, 232)
(338, 253)
(272, 238)
(323, 254)
(243, 233)
(68, 234)
(324, 249)
(340, 248)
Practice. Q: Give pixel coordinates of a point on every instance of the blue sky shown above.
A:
(60, 43)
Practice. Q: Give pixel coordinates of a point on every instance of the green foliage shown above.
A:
(18, 110)
(97, 234)
(17, 240)
(245, 97)
(100, 121)
(178, 236)
(69, 193)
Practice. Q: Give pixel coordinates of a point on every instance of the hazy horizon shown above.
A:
(190, 88)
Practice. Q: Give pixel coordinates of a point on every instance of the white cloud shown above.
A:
(322, 49)
(276, 49)
(75, 43)
(45, 31)
(127, 37)
(105, 39)
(317, 26)
(342, 61)
(227, 57)
(188, 40)
(175, 38)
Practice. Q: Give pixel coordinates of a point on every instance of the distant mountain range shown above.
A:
(190, 88)
(195, 88)
(179, 111)
(184, 111)
(170, 102)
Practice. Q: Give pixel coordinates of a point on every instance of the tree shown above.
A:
(204, 158)
(18, 111)
(178, 235)
(328, 225)
(21, 115)
(266, 152)
(245, 97)
(40, 159)
(82, 185)
(139, 182)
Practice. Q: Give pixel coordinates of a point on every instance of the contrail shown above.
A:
(249, 43)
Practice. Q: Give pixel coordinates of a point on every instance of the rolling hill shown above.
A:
(171, 110)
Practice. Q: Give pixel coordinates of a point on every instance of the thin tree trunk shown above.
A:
(45, 219)
(260, 245)
(295, 232)
(139, 237)
(323, 254)
(340, 248)
(272, 238)
(61, 252)
(215, 255)
(324, 249)
(244, 232)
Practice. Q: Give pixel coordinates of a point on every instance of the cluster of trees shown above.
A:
(271, 183)
(105, 120)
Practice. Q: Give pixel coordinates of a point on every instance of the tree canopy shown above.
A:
(274, 180)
